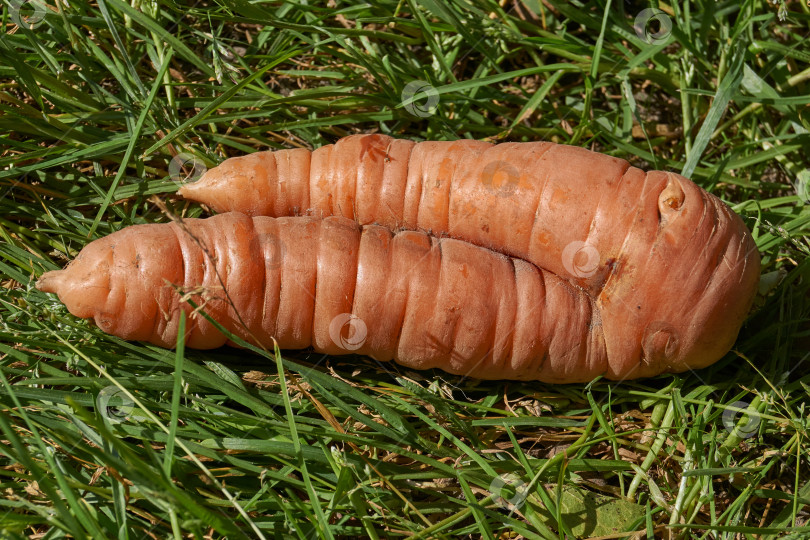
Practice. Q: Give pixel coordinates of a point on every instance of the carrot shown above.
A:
(670, 269)
(341, 288)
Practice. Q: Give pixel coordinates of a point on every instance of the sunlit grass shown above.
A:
(105, 438)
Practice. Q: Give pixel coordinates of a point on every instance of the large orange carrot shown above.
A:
(672, 271)
(341, 288)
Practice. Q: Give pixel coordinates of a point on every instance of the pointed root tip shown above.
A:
(183, 190)
(192, 189)
(49, 281)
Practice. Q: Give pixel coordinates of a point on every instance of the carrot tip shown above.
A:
(192, 190)
(49, 281)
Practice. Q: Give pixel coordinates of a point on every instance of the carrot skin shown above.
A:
(339, 288)
(672, 270)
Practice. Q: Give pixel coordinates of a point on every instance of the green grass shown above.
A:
(105, 438)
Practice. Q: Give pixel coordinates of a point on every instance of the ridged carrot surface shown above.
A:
(342, 288)
(670, 269)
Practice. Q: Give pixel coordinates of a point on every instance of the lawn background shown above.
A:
(105, 107)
